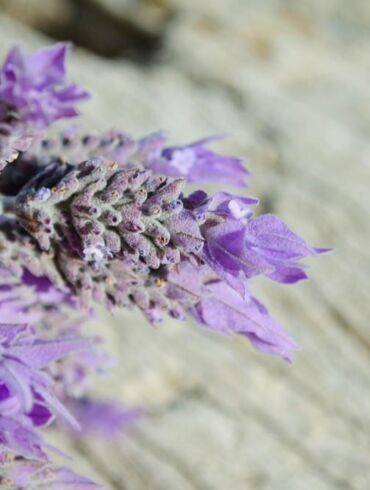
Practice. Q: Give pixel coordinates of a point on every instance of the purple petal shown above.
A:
(17, 381)
(58, 408)
(39, 413)
(225, 205)
(185, 283)
(66, 479)
(47, 65)
(9, 405)
(197, 198)
(21, 471)
(235, 280)
(197, 163)
(21, 440)
(223, 310)
(9, 331)
(36, 87)
(226, 250)
(71, 93)
(288, 275)
(272, 238)
(102, 419)
(41, 353)
(13, 65)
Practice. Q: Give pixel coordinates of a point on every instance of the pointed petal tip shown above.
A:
(320, 250)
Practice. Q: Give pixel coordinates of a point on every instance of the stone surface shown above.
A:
(290, 82)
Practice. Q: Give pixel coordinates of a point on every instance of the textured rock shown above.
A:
(291, 83)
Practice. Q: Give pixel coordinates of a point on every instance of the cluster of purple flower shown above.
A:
(88, 219)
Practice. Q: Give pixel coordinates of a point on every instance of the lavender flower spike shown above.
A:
(106, 219)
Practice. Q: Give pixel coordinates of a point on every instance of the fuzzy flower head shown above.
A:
(106, 219)
(35, 86)
(127, 236)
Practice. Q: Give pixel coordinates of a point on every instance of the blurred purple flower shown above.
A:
(35, 86)
(102, 418)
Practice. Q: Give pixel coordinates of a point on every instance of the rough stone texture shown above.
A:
(290, 82)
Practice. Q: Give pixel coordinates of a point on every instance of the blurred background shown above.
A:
(290, 82)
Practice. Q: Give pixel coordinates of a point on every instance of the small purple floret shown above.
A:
(197, 163)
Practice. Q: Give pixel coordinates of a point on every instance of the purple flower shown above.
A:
(35, 86)
(262, 245)
(198, 164)
(135, 229)
(216, 305)
(101, 418)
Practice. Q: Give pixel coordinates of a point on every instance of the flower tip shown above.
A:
(288, 356)
(319, 250)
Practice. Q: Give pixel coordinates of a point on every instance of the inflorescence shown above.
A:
(90, 219)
